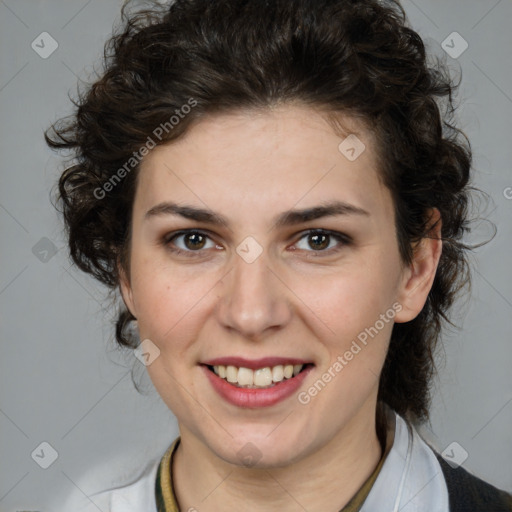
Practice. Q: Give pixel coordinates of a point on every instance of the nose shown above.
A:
(254, 300)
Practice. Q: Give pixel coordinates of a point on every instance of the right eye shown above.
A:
(192, 242)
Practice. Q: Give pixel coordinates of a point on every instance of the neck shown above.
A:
(325, 480)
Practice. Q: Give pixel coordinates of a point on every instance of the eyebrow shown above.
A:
(288, 218)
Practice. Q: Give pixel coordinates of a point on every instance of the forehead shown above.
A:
(262, 159)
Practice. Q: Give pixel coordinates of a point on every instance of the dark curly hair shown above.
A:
(355, 57)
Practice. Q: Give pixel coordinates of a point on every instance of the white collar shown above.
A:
(411, 478)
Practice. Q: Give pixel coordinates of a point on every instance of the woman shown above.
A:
(280, 199)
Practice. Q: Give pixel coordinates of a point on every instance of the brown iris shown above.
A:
(194, 240)
(324, 241)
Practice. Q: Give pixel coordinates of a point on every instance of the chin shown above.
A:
(262, 451)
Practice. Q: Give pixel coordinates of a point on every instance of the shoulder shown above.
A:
(132, 493)
(469, 493)
(138, 495)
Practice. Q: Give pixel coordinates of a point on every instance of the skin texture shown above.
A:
(293, 301)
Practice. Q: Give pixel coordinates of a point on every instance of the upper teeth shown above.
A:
(258, 378)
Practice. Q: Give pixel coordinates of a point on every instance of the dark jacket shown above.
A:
(467, 493)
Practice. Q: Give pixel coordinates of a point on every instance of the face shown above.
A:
(261, 277)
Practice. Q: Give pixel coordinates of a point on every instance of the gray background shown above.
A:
(62, 379)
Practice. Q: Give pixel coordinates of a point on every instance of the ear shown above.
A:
(125, 289)
(419, 276)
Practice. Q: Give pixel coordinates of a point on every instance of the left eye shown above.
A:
(320, 240)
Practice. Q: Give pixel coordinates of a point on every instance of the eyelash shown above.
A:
(344, 239)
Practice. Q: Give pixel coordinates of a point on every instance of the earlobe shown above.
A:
(418, 278)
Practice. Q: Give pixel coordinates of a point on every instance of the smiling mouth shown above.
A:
(260, 378)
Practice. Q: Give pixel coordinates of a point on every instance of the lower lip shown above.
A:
(253, 398)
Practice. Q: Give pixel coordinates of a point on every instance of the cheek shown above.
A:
(169, 303)
(352, 299)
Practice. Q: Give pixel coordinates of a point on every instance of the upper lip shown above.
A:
(254, 364)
